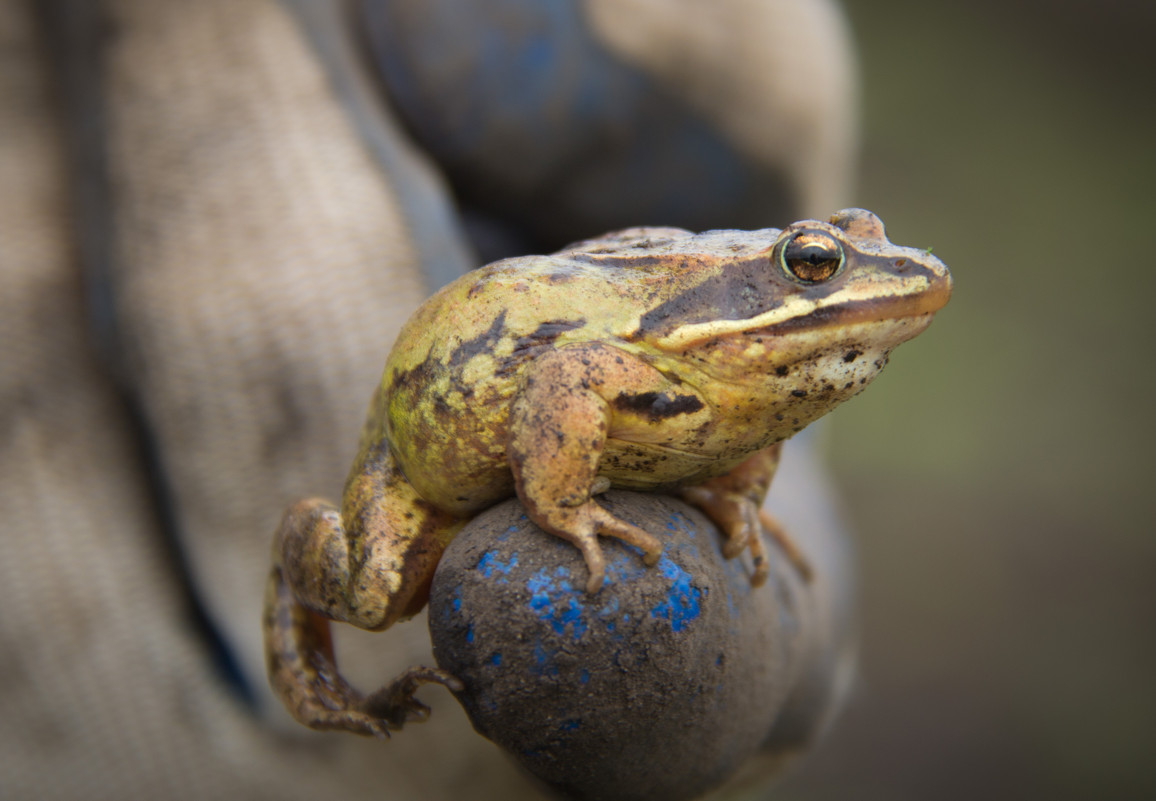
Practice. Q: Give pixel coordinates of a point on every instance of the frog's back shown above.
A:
(597, 289)
(459, 361)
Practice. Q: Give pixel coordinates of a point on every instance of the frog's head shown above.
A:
(844, 276)
(834, 298)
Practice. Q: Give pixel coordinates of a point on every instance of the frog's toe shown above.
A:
(595, 563)
(760, 561)
(737, 540)
(610, 526)
(367, 726)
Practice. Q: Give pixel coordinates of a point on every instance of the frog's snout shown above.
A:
(940, 284)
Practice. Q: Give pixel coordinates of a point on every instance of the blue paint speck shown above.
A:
(553, 599)
(682, 604)
(570, 725)
(456, 606)
(490, 564)
(496, 659)
(584, 677)
(470, 634)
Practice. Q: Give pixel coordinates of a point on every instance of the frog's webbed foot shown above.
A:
(394, 705)
(336, 706)
(582, 525)
(740, 519)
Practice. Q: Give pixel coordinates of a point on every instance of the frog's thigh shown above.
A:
(371, 564)
(396, 539)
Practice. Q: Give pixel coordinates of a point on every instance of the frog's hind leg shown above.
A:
(369, 565)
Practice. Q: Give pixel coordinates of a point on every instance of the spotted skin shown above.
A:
(649, 359)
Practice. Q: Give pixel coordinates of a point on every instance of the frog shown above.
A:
(649, 359)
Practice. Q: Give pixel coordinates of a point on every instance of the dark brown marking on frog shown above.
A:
(457, 385)
(657, 406)
(625, 260)
(412, 379)
(851, 355)
(740, 290)
(562, 273)
(544, 335)
(482, 343)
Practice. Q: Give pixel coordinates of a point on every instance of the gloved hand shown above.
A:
(207, 255)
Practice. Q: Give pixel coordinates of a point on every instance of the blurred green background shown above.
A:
(998, 472)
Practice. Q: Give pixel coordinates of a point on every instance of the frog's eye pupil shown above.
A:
(812, 256)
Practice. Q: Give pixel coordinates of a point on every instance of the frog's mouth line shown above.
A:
(874, 310)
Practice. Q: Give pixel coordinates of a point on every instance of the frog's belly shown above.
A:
(645, 466)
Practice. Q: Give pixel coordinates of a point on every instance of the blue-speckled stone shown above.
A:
(659, 686)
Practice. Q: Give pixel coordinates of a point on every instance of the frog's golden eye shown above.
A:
(811, 256)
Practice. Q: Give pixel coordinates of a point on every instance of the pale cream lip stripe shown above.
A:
(928, 295)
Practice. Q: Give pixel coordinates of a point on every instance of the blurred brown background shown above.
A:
(999, 473)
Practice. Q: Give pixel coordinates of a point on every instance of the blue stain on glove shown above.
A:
(491, 563)
(555, 600)
(681, 605)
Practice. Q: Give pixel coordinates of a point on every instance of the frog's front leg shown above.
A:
(734, 502)
(370, 565)
(558, 428)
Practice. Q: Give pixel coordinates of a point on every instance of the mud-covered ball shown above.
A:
(657, 687)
